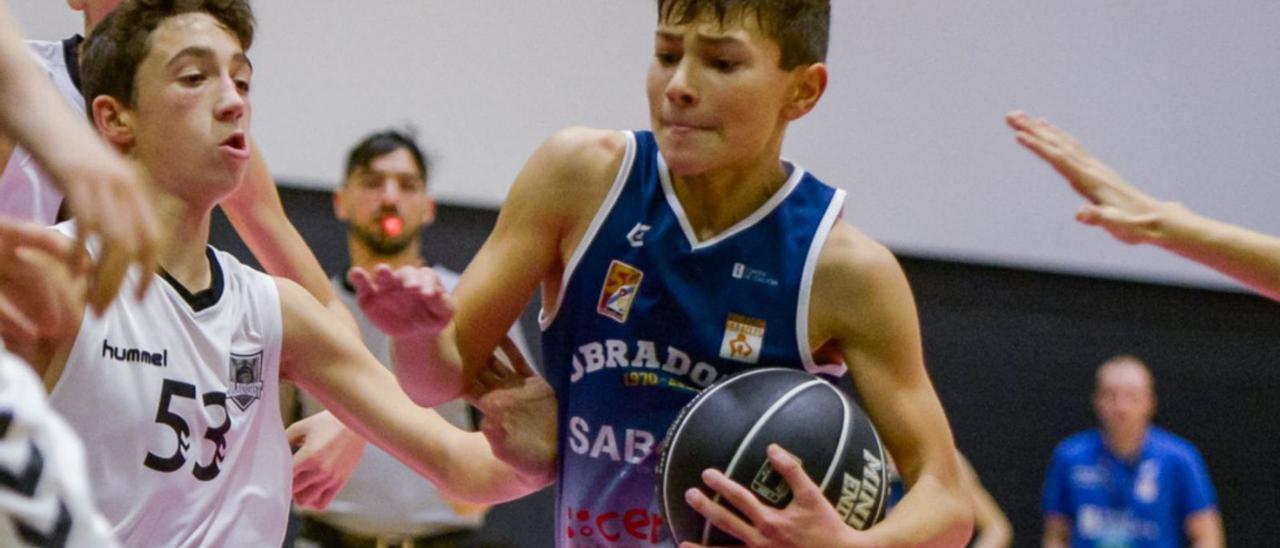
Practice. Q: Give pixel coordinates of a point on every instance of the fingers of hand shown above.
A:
(792, 470)
(721, 517)
(737, 495)
(362, 281)
(108, 275)
(386, 278)
(13, 321)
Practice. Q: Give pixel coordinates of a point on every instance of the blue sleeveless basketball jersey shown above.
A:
(648, 316)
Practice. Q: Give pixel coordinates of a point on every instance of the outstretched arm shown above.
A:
(332, 364)
(536, 231)
(103, 191)
(1133, 217)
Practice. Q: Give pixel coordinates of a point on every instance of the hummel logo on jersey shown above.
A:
(246, 379)
(620, 287)
(636, 236)
(743, 338)
(122, 354)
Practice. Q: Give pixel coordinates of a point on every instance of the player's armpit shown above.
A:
(861, 300)
(333, 365)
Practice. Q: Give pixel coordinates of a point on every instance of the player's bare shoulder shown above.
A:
(857, 284)
(571, 172)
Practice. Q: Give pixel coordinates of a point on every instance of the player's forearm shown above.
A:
(34, 113)
(1248, 256)
(931, 514)
(477, 476)
(429, 367)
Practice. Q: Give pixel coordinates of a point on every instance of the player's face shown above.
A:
(1124, 399)
(390, 192)
(716, 94)
(191, 113)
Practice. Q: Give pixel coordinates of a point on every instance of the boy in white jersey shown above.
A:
(727, 78)
(176, 392)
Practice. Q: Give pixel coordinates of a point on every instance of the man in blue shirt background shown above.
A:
(1128, 483)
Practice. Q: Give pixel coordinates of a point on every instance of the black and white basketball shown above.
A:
(732, 422)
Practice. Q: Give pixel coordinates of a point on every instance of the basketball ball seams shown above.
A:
(844, 438)
(677, 429)
(751, 434)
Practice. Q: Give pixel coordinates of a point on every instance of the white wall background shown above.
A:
(1182, 96)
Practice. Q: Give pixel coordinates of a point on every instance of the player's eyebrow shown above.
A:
(204, 53)
(711, 40)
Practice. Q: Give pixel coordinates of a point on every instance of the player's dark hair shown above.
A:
(380, 144)
(801, 28)
(110, 56)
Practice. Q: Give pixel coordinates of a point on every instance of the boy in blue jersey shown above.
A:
(1130, 483)
(668, 260)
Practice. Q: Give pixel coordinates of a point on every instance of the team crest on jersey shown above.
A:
(743, 338)
(620, 287)
(246, 379)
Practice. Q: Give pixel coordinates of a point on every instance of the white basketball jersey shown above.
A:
(44, 492)
(26, 190)
(177, 397)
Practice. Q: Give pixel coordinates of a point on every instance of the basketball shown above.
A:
(731, 423)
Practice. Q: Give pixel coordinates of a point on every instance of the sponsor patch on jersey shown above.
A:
(743, 338)
(246, 379)
(620, 287)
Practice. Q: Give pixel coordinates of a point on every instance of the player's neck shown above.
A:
(717, 200)
(185, 229)
(366, 258)
(1126, 445)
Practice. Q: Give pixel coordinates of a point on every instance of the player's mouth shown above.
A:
(679, 128)
(236, 146)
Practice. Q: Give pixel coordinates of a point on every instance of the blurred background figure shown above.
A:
(1128, 483)
(385, 204)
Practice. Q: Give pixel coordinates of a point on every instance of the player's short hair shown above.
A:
(801, 28)
(381, 144)
(110, 56)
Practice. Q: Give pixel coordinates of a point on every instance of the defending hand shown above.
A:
(519, 413)
(1117, 206)
(405, 301)
(326, 454)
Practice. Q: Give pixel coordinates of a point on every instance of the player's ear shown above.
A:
(340, 203)
(114, 121)
(429, 215)
(808, 84)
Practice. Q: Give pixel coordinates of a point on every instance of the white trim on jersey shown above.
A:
(806, 288)
(548, 313)
(781, 194)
